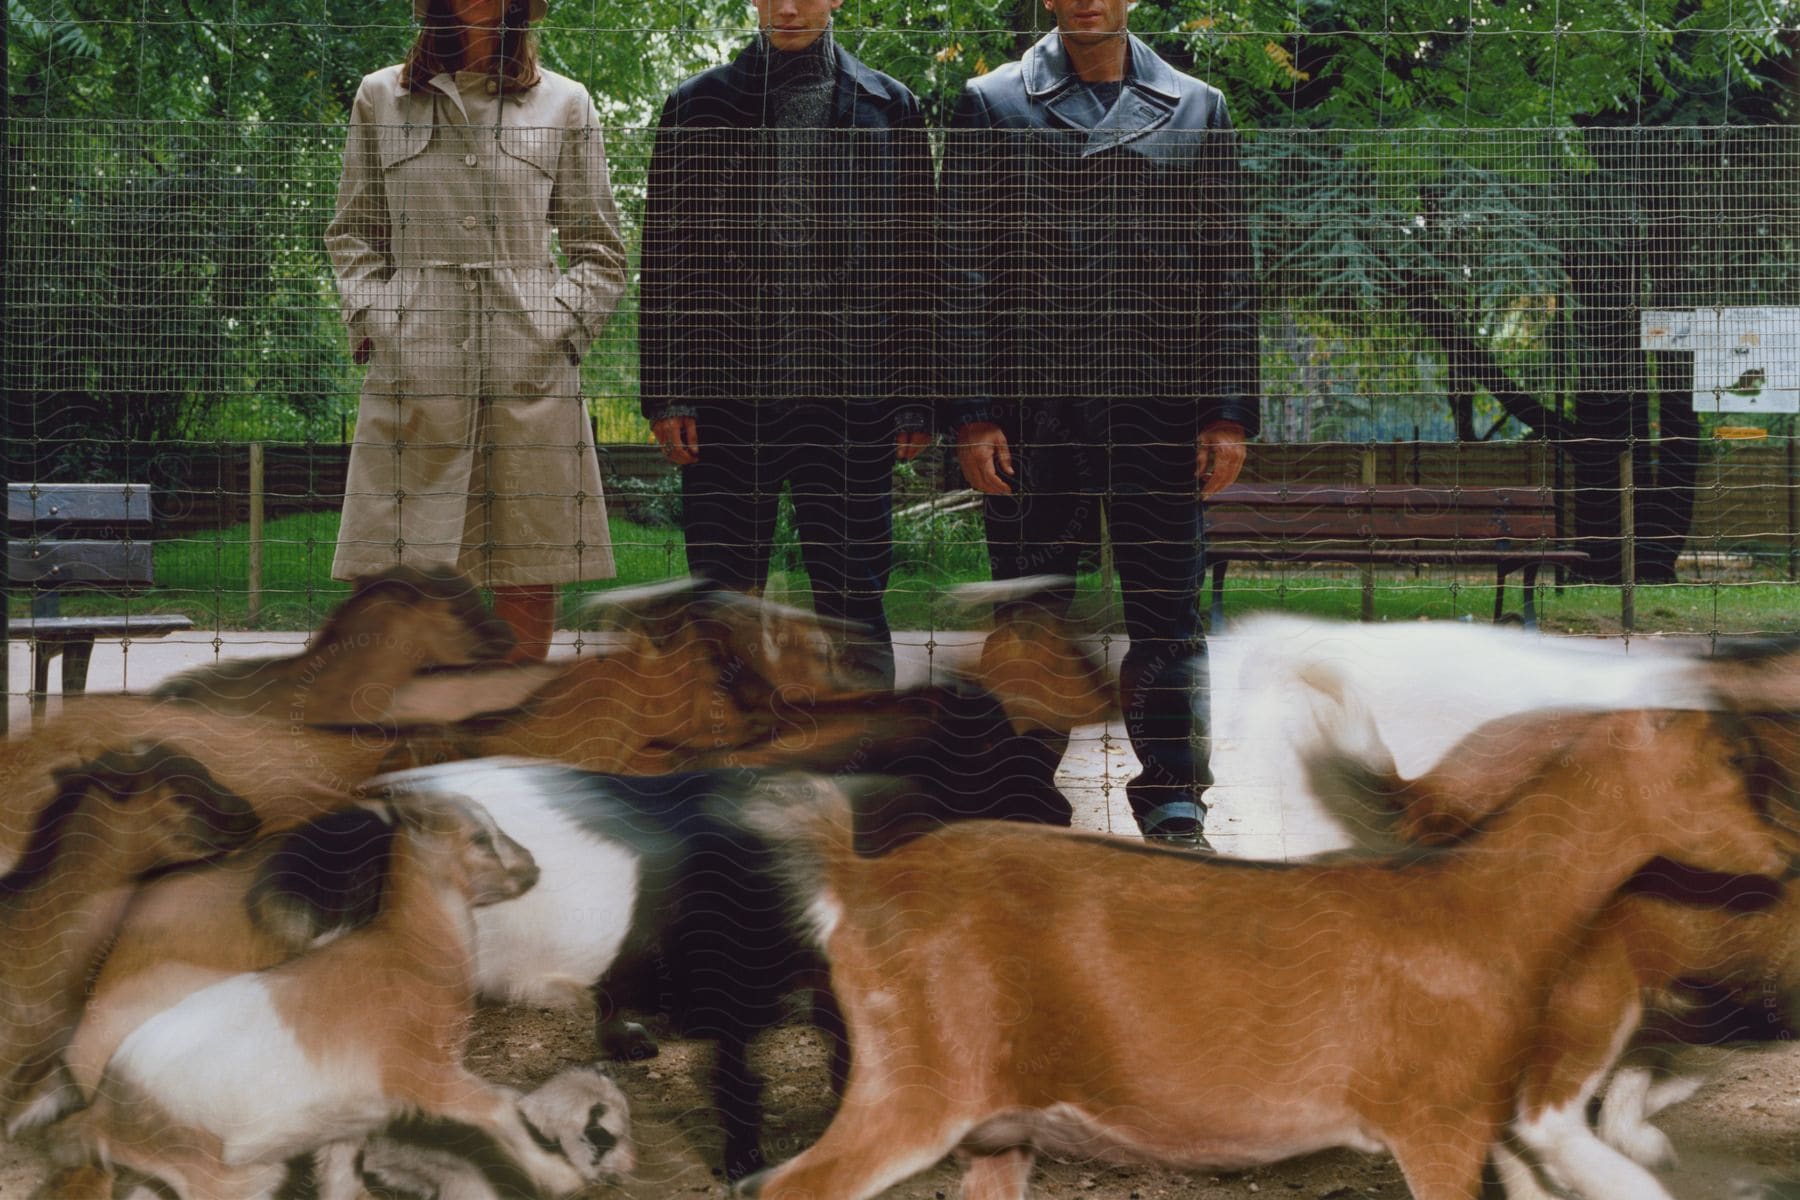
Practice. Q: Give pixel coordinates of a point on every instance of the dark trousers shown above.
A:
(840, 471)
(1069, 479)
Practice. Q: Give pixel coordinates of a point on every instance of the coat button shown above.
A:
(468, 284)
(469, 222)
(470, 160)
(493, 86)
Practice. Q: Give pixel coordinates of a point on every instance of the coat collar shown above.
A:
(1146, 102)
(747, 73)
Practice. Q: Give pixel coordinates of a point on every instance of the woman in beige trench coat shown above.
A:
(473, 446)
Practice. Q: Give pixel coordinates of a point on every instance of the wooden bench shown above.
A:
(78, 536)
(1371, 525)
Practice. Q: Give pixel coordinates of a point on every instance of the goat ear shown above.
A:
(117, 772)
(322, 877)
(645, 605)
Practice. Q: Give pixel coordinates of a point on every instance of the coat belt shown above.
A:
(488, 265)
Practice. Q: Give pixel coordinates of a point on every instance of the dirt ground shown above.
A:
(1742, 1129)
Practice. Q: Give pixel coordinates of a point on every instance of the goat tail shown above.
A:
(809, 824)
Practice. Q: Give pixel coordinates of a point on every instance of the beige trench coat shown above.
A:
(473, 446)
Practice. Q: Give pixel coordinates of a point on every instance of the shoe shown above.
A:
(1179, 824)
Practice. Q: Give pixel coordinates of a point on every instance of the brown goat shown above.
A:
(109, 821)
(288, 773)
(1661, 931)
(185, 1097)
(394, 625)
(1010, 989)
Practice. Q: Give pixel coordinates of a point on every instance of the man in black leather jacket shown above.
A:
(1104, 351)
(787, 295)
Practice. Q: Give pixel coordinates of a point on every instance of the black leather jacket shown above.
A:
(712, 234)
(1098, 256)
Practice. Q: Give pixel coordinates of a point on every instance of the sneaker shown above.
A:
(1178, 824)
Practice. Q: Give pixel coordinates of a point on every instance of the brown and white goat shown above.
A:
(1663, 930)
(394, 625)
(1011, 990)
(365, 1028)
(110, 820)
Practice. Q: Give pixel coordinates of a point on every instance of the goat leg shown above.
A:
(1443, 1160)
(77, 1183)
(1519, 1177)
(1563, 1141)
(1002, 1176)
(829, 1018)
(883, 1134)
(1625, 1118)
(617, 1038)
(737, 1097)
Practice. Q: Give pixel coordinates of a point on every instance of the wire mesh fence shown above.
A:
(1441, 251)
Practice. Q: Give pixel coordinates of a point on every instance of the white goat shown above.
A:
(1396, 698)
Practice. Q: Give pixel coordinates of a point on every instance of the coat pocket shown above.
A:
(397, 143)
(537, 145)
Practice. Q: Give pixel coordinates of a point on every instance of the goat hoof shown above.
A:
(742, 1167)
(628, 1042)
(749, 1187)
(77, 1183)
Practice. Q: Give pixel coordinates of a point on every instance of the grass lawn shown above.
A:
(203, 576)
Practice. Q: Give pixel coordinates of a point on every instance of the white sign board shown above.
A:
(1745, 359)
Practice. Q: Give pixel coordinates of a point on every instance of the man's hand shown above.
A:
(982, 450)
(909, 443)
(679, 438)
(1218, 456)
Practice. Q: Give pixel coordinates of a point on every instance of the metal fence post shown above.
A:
(253, 588)
(1628, 542)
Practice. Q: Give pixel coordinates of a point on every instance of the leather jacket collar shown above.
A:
(1145, 103)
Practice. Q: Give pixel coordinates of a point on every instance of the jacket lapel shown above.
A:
(1146, 102)
(1135, 114)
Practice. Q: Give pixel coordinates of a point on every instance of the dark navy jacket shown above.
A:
(1098, 257)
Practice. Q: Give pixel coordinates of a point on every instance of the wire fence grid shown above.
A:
(1576, 274)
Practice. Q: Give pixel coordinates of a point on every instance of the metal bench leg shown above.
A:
(76, 656)
(1216, 621)
(41, 654)
(1528, 584)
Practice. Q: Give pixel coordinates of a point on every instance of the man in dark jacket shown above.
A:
(1104, 350)
(787, 268)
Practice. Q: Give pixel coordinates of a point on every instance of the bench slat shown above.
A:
(1387, 525)
(1472, 556)
(80, 563)
(1381, 495)
(120, 504)
(86, 629)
